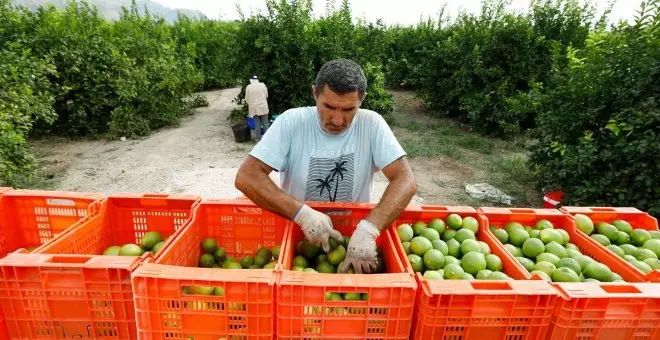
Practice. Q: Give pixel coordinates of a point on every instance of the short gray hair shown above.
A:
(342, 76)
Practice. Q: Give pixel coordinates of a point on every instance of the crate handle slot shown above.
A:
(156, 195)
(620, 289)
(603, 209)
(521, 211)
(491, 285)
(60, 201)
(69, 259)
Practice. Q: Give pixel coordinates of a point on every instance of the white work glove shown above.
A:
(317, 227)
(361, 251)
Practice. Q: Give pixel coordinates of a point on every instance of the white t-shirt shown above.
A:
(317, 166)
(256, 96)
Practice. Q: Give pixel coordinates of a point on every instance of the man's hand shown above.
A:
(317, 227)
(362, 249)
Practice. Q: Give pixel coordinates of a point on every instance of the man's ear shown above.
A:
(314, 91)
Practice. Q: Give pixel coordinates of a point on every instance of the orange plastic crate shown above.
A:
(67, 289)
(247, 308)
(4, 189)
(451, 309)
(637, 218)
(590, 310)
(304, 313)
(607, 311)
(30, 218)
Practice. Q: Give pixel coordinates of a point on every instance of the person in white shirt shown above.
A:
(256, 96)
(330, 152)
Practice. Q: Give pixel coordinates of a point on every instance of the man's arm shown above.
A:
(398, 194)
(252, 179)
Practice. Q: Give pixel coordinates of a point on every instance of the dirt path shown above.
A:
(198, 157)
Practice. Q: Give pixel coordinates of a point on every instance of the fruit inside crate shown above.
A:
(128, 225)
(627, 233)
(448, 242)
(30, 218)
(174, 297)
(544, 244)
(335, 305)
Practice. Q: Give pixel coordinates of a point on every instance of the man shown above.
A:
(330, 152)
(256, 96)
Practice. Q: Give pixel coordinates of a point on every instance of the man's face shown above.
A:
(336, 110)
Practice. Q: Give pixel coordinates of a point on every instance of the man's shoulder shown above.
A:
(370, 117)
(298, 115)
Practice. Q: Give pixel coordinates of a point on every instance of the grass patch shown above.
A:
(511, 175)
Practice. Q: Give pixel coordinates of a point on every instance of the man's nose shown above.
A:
(337, 119)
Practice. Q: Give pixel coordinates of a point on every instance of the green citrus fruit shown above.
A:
(236, 265)
(550, 235)
(430, 234)
(548, 257)
(150, 239)
(454, 248)
(493, 262)
(485, 248)
(618, 251)
(418, 227)
(556, 249)
(326, 267)
(645, 254)
(300, 261)
(498, 276)
(653, 245)
(602, 239)
(642, 266)
(653, 263)
(432, 275)
(572, 253)
(112, 251)
(527, 263)
(542, 274)
(533, 247)
(544, 224)
(473, 262)
(441, 246)
(464, 234)
(598, 271)
(610, 231)
(451, 260)
(639, 236)
(513, 225)
(622, 238)
(545, 267)
(454, 221)
(405, 232)
(470, 223)
(434, 259)
(501, 235)
(584, 223)
(209, 245)
(470, 245)
(337, 255)
(565, 274)
(483, 274)
(406, 247)
(131, 250)
(583, 260)
(515, 251)
(438, 225)
(518, 236)
(246, 261)
(570, 263)
(420, 245)
(416, 263)
(629, 249)
(448, 235)
(453, 272)
(623, 226)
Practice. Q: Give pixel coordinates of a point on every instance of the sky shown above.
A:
(406, 12)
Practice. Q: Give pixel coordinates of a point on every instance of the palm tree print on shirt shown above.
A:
(330, 180)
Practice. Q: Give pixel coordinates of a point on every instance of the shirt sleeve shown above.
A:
(275, 145)
(385, 148)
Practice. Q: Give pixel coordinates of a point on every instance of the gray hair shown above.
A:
(342, 76)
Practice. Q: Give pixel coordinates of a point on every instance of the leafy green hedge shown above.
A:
(599, 126)
(287, 47)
